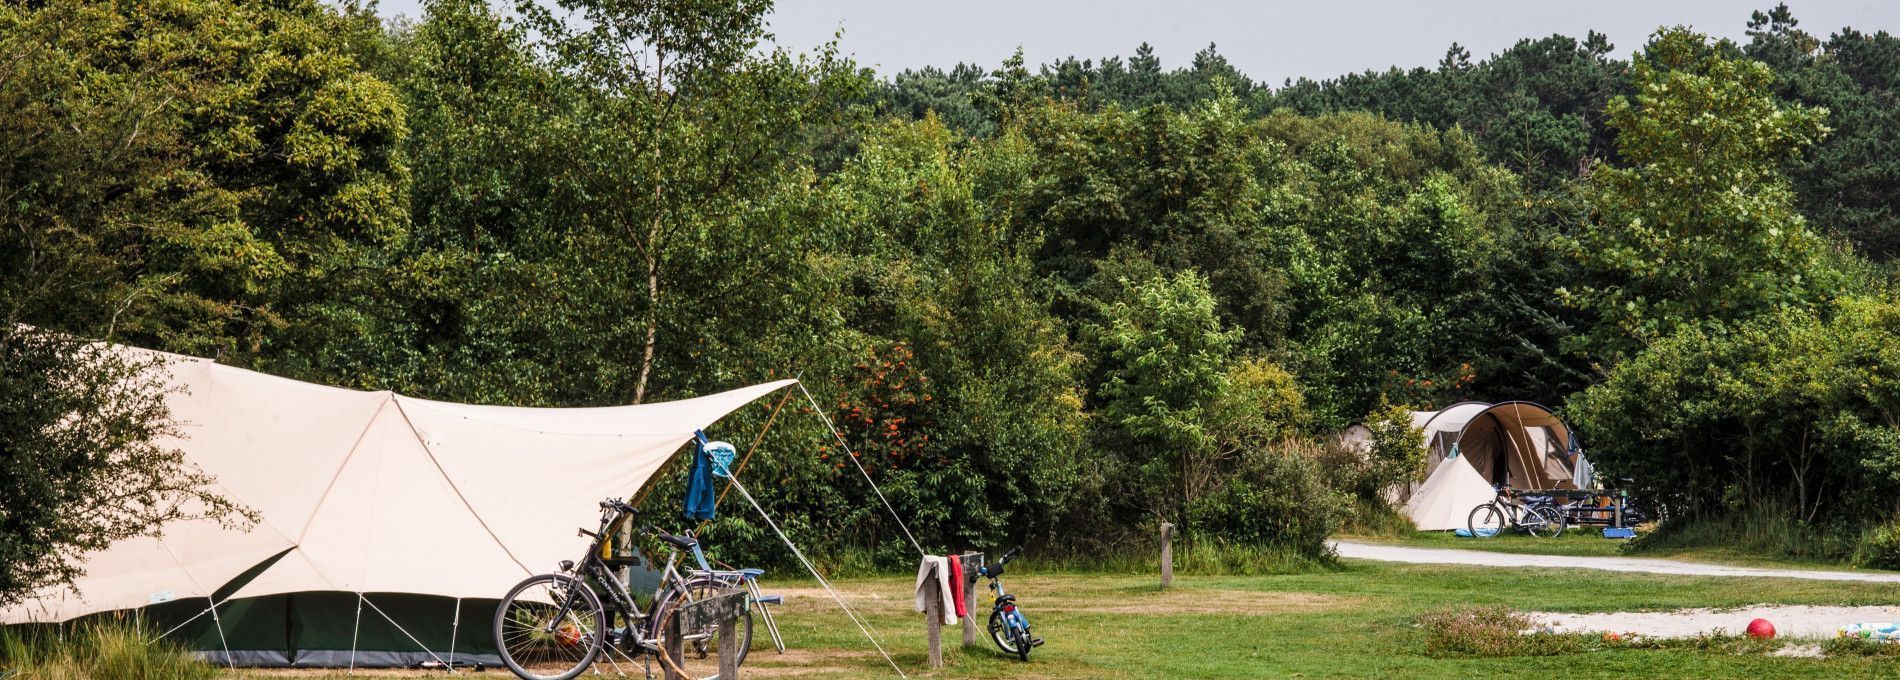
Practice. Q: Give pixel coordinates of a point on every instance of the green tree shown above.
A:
(994, 451)
(1536, 107)
(685, 119)
(1792, 409)
(86, 459)
(251, 187)
(1847, 184)
(1700, 227)
(1163, 355)
(107, 217)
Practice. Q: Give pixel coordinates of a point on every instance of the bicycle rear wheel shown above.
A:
(1545, 522)
(549, 627)
(699, 647)
(1486, 521)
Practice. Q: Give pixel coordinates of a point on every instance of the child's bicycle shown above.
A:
(1008, 627)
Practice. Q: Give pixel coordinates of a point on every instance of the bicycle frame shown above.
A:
(620, 598)
(1012, 614)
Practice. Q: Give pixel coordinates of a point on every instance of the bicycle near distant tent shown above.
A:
(1509, 512)
(555, 626)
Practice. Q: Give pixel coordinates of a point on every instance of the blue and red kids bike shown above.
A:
(1008, 627)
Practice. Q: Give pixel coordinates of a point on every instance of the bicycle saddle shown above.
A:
(681, 542)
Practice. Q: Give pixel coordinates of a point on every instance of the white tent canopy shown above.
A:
(1445, 501)
(375, 492)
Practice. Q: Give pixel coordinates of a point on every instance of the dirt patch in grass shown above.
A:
(1056, 594)
(1199, 601)
(796, 662)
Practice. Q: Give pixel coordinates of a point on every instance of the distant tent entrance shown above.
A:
(1472, 447)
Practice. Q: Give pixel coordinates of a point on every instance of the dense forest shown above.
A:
(1052, 304)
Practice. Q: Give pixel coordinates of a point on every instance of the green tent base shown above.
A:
(325, 630)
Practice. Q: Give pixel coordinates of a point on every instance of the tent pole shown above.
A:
(756, 441)
(194, 617)
(356, 629)
(454, 628)
(863, 624)
(228, 660)
(405, 632)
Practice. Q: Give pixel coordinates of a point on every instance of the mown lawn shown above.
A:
(1353, 622)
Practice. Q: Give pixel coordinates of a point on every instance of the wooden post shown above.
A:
(971, 562)
(933, 625)
(719, 612)
(1167, 554)
(728, 649)
(674, 648)
(1619, 511)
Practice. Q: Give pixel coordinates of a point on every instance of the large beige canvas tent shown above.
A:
(1473, 447)
(381, 516)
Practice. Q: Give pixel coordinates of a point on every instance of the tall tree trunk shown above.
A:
(653, 305)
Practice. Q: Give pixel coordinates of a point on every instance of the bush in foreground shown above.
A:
(1489, 631)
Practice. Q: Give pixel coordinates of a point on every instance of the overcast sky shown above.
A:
(1269, 41)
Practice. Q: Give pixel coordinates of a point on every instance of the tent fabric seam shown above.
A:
(440, 470)
(356, 445)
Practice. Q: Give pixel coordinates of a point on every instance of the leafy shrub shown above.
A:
(1880, 548)
(1397, 453)
(1273, 499)
(1489, 631)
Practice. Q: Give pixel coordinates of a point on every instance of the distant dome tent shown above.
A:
(389, 525)
(1472, 447)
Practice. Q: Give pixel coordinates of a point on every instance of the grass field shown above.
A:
(1356, 621)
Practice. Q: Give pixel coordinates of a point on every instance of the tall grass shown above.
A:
(1377, 518)
(107, 649)
(1489, 631)
(1765, 530)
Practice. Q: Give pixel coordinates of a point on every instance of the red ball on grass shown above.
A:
(1761, 628)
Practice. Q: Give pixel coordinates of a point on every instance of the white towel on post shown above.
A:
(934, 572)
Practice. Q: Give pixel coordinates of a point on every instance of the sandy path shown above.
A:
(1649, 565)
(1790, 620)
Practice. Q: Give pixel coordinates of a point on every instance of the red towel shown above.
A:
(956, 585)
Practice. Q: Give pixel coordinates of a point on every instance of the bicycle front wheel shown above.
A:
(1002, 635)
(549, 627)
(1486, 521)
(1546, 522)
